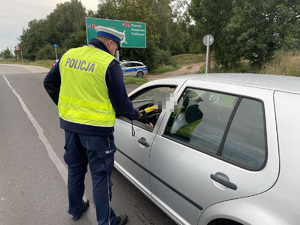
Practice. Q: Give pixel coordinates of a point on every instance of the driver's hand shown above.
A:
(151, 124)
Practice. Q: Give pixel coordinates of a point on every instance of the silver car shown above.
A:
(216, 148)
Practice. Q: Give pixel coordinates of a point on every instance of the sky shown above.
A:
(16, 14)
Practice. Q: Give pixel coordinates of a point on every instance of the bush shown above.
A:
(164, 58)
(47, 52)
(6, 54)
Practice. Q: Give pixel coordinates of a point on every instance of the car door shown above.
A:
(228, 151)
(126, 68)
(134, 139)
(131, 69)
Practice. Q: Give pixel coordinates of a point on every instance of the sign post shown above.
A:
(207, 41)
(55, 47)
(17, 48)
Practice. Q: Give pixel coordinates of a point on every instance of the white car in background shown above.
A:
(224, 148)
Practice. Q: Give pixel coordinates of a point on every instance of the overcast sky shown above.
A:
(16, 14)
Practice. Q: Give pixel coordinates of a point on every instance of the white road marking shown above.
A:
(59, 165)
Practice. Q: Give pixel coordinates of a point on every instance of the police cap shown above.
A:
(110, 33)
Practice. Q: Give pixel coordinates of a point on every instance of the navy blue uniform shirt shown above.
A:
(116, 89)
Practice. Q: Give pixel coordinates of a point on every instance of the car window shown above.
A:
(134, 64)
(139, 64)
(213, 111)
(148, 97)
(123, 65)
(229, 127)
(245, 142)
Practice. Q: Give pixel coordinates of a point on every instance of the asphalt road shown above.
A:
(33, 175)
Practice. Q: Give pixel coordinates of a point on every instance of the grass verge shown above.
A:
(44, 63)
(134, 80)
(165, 68)
(179, 61)
(184, 59)
(284, 63)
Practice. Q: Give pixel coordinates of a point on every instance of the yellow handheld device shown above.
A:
(148, 110)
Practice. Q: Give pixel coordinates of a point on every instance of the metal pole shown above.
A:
(207, 52)
(55, 53)
(21, 54)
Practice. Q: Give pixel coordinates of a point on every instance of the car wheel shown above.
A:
(223, 222)
(140, 74)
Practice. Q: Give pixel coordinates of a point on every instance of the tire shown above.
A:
(140, 74)
(223, 222)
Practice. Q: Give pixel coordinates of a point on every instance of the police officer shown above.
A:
(88, 87)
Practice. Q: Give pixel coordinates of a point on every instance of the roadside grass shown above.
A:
(44, 63)
(242, 67)
(202, 69)
(179, 60)
(134, 80)
(284, 63)
(165, 68)
(184, 59)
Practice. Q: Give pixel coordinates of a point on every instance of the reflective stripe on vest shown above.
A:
(83, 96)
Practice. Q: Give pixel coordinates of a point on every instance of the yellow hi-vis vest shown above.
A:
(83, 96)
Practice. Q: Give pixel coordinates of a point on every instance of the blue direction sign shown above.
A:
(135, 32)
(55, 46)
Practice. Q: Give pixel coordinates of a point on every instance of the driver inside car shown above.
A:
(185, 119)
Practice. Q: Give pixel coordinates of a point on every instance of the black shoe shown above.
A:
(86, 206)
(121, 220)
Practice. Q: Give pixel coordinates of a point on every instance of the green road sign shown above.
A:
(135, 32)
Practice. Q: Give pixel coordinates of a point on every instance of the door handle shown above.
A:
(143, 141)
(223, 179)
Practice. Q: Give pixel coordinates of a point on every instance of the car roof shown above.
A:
(126, 61)
(264, 81)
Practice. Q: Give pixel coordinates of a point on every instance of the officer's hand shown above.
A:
(141, 115)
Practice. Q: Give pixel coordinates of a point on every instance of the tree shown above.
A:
(108, 10)
(6, 53)
(177, 39)
(211, 17)
(183, 22)
(65, 22)
(250, 30)
(33, 38)
(258, 28)
(139, 11)
(65, 26)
